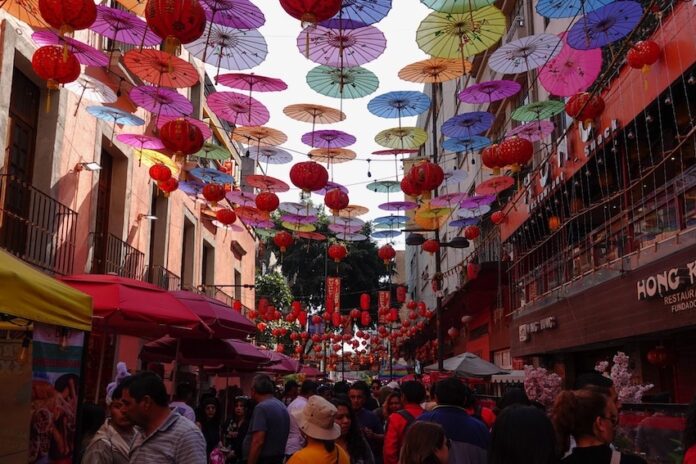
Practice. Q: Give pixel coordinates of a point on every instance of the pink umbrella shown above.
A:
(241, 198)
(252, 82)
(342, 48)
(141, 141)
(161, 100)
(238, 109)
(219, 317)
(123, 26)
(207, 133)
(240, 14)
(448, 199)
(398, 206)
(571, 71)
(532, 131)
(85, 54)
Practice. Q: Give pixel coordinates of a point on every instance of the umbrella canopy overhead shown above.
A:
(605, 25)
(347, 83)
(30, 294)
(468, 365)
(435, 70)
(342, 48)
(222, 320)
(240, 14)
(229, 48)
(571, 71)
(211, 352)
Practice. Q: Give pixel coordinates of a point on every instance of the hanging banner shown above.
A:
(333, 294)
(384, 300)
(57, 354)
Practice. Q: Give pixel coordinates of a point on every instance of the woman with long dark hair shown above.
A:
(236, 428)
(522, 435)
(425, 443)
(351, 439)
(689, 440)
(210, 422)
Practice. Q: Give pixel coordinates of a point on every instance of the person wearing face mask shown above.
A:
(590, 417)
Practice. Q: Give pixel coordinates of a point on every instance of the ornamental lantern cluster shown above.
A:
(585, 107)
(422, 178)
(181, 137)
(309, 176)
(175, 21)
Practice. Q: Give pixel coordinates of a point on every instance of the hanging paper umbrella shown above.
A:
(141, 142)
(525, 54)
(26, 11)
(402, 137)
(432, 213)
(342, 48)
(298, 208)
(261, 135)
(214, 152)
(449, 200)
(228, 48)
(191, 187)
(571, 71)
(386, 233)
(455, 176)
(364, 12)
(248, 214)
(85, 54)
(345, 228)
(392, 220)
(474, 212)
(161, 101)
(239, 14)
(271, 155)
(266, 183)
(488, 92)
(238, 109)
(160, 68)
(464, 222)
(298, 227)
(342, 82)
(229, 227)
(252, 82)
(538, 110)
(348, 237)
(494, 185)
(352, 211)
(456, 6)
(332, 155)
(241, 198)
(134, 6)
(568, 8)
(328, 139)
(447, 35)
(477, 201)
(399, 104)
(345, 221)
(315, 114)
(297, 219)
(149, 158)
(435, 70)
(203, 127)
(466, 144)
(605, 25)
(330, 186)
(398, 206)
(123, 26)
(91, 89)
(468, 124)
(532, 131)
(384, 186)
(312, 236)
(114, 116)
(396, 151)
(212, 176)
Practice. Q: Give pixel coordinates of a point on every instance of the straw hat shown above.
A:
(316, 420)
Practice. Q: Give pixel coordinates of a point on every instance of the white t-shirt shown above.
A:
(295, 440)
(183, 409)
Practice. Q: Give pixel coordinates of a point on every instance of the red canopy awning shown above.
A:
(131, 307)
(222, 320)
(281, 363)
(211, 352)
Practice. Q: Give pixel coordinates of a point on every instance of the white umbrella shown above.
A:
(468, 365)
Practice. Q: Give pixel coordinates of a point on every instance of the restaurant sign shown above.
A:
(526, 330)
(675, 286)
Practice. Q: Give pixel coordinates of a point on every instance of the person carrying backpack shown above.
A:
(412, 395)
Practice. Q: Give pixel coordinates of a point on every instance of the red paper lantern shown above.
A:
(431, 246)
(554, 223)
(311, 11)
(411, 305)
(55, 65)
(168, 186)
(490, 157)
(262, 305)
(298, 349)
(237, 306)
(354, 314)
(365, 301)
(316, 319)
(309, 176)
(386, 253)
(659, 356)
(159, 172)
(472, 270)
(267, 202)
(409, 188)
(337, 252)
(515, 151)
(283, 240)
(181, 137)
(584, 107)
(225, 216)
(175, 21)
(400, 293)
(261, 326)
(643, 54)
(68, 15)
(336, 319)
(252, 314)
(498, 217)
(336, 200)
(426, 176)
(453, 333)
(365, 318)
(296, 307)
(412, 315)
(302, 318)
(472, 232)
(213, 193)
(393, 315)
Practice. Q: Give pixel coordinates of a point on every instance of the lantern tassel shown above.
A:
(172, 45)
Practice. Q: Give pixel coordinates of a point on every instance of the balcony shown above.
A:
(163, 278)
(35, 227)
(114, 256)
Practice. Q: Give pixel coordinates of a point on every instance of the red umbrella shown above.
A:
(310, 371)
(211, 352)
(222, 320)
(281, 364)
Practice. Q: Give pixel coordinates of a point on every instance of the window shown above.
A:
(188, 244)
(208, 269)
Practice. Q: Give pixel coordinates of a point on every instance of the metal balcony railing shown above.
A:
(163, 278)
(114, 256)
(35, 227)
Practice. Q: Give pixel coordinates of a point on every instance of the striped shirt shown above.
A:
(176, 441)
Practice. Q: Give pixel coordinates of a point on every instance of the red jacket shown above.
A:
(395, 432)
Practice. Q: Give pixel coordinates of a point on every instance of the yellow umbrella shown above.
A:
(299, 227)
(402, 137)
(435, 212)
(151, 157)
(30, 294)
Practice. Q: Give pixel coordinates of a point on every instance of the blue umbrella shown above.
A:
(399, 104)
(464, 222)
(212, 176)
(359, 11)
(393, 220)
(114, 116)
(191, 188)
(605, 25)
(568, 8)
(386, 233)
(473, 143)
(468, 124)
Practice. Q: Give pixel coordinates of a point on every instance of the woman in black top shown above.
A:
(236, 429)
(209, 421)
(591, 418)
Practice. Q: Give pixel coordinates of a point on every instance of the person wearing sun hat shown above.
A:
(316, 423)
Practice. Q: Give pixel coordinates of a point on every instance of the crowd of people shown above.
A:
(357, 423)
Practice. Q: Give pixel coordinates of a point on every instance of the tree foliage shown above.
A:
(275, 289)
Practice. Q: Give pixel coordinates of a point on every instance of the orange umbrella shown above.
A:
(332, 155)
(353, 211)
(434, 70)
(259, 134)
(315, 114)
(134, 6)
(26, 11)
(160, 68)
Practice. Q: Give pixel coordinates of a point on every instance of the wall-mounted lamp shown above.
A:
(90, 166)
(147, 217)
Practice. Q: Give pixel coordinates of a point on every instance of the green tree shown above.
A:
(275, 289)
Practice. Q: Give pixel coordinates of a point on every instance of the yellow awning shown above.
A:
(30, 294)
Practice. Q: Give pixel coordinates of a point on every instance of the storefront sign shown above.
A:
(592, 141)
(526, 330)
(670, 286)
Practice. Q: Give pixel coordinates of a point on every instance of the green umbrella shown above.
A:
(342, 82)
(213, 152)
(402, 137)
(538, 110)
(461, 35)
(456, 6)
(385, 186)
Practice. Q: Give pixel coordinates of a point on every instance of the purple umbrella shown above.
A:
(605, 25)
(301, 209)
(161, 100)
(141, 142)
(463, 222)
(298, 219)
(238, 109)
(331, 186)
(348, 221)
(241, 198)
(240, 14)
(345, 228)
(342, 48)
(191, 187)
(448, 199)
(258, 222)
(532, 131)
(468, 124)
(123, 26)
(473, 212)
(252, 82)
(488, 92)
(477, 201)
(398, 206)
(85, 54)
(328, 139)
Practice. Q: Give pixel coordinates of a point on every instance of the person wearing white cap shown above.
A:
(316, 423)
